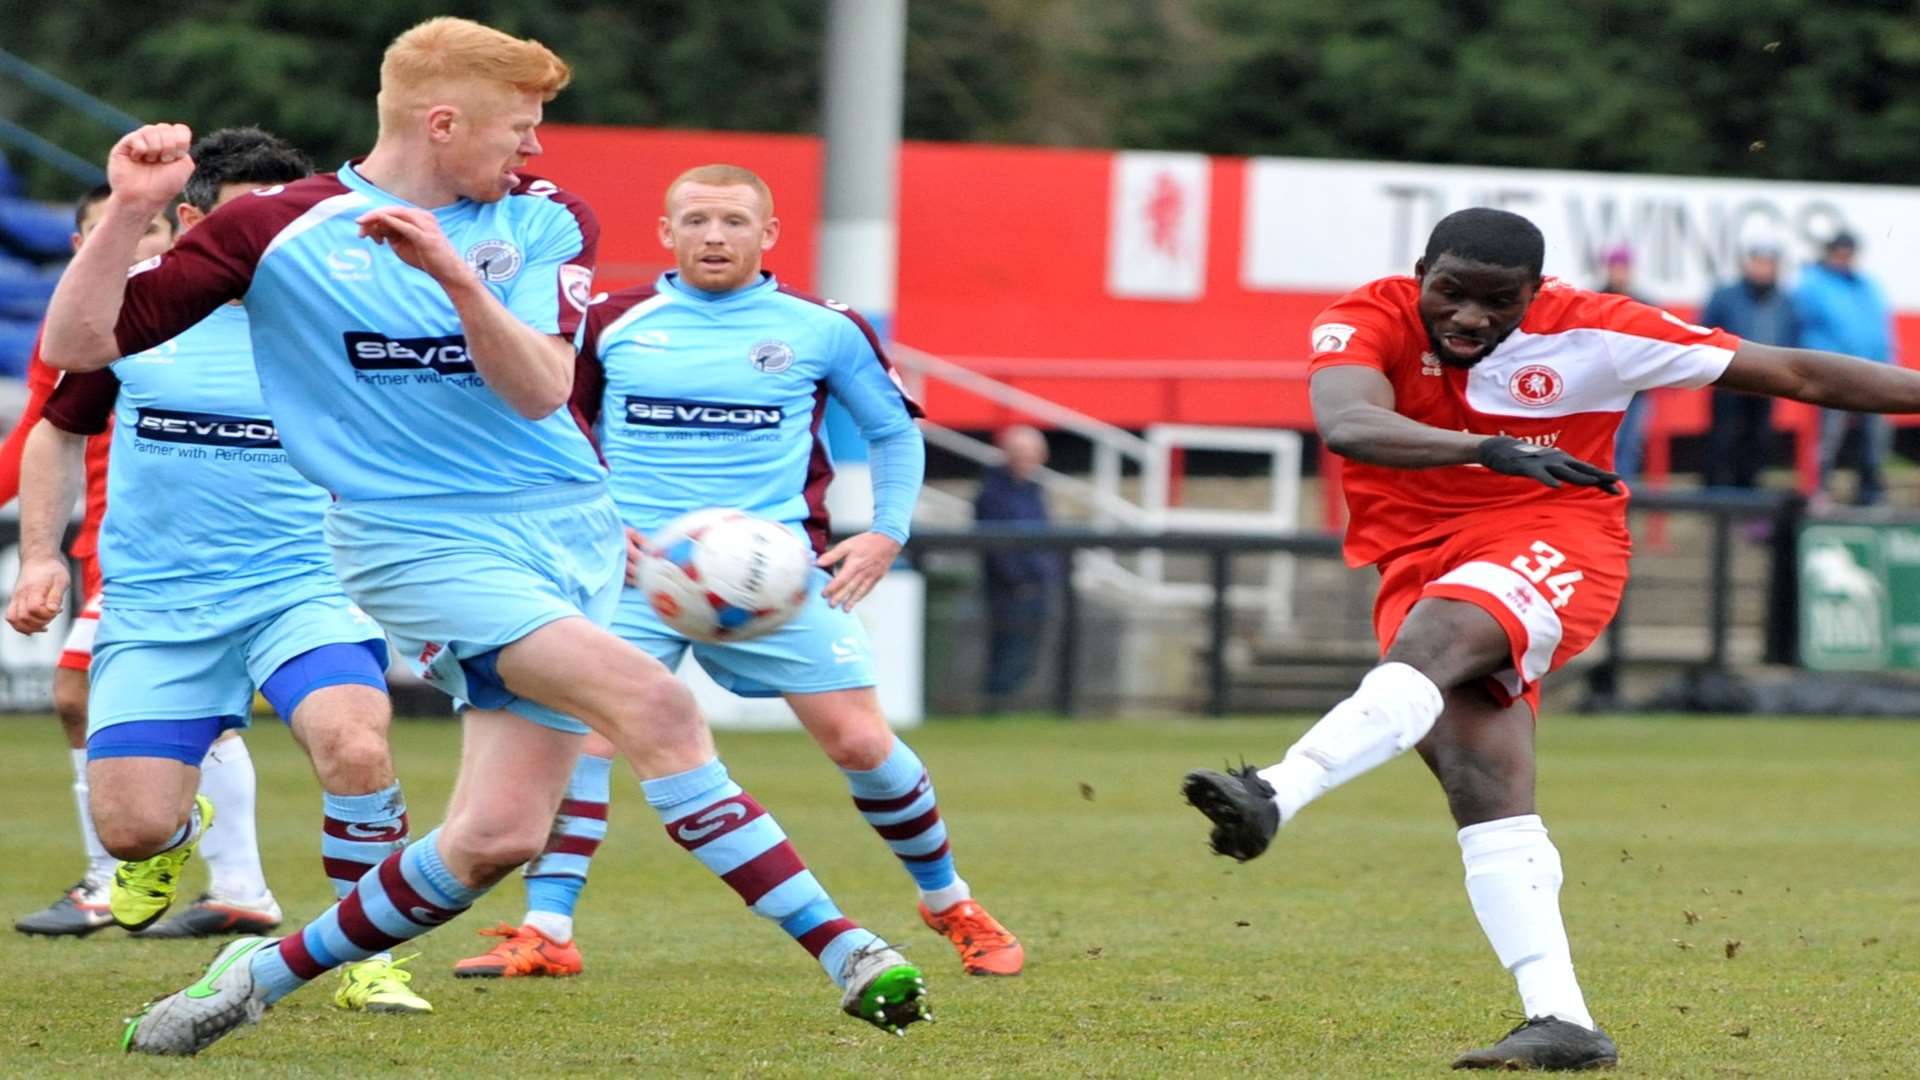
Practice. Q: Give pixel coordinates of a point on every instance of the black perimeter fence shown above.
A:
(1719, 520)
(1225, 680)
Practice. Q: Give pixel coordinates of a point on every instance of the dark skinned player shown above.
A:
(1475, 404)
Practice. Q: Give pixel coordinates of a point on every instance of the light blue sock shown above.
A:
(896, 798)
(408, 894)
(740, 843)
(556, 876)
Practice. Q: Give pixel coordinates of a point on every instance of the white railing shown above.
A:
(1103, 499)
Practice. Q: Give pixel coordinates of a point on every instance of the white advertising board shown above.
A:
(1327, 226)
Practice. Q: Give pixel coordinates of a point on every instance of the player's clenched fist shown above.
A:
(39, 595)
(150, 165)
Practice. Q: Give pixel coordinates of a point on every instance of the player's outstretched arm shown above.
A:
(1822, 378)
(51, 468)
(1353, 408)
(531, 371)
(147, 168)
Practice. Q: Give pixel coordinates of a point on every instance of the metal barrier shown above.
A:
(1221, 552)
(1723, 512)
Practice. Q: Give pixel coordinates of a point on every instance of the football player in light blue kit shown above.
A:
(217, 581)
(412, 320)
(708, 388)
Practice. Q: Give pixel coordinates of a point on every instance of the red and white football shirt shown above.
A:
(1562, 379)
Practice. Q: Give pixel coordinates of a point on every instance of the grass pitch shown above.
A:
(1743, 897)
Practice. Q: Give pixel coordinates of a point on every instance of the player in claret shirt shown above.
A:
(1475, 403)
(412, 318)
(708, 387)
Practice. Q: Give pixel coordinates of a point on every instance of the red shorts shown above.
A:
(77, 654)
(1552, 580)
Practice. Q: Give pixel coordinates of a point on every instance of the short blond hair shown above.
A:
(445, 50)
(722, 176)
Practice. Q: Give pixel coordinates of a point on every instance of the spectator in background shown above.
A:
(1757, 309)
(1842, 310)
(1020, 584)
(1630, 442)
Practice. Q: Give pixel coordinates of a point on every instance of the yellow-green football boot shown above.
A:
(379, 984)
(143, 891)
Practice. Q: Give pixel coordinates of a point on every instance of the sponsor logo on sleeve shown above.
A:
(700, 415)
(207, 429)
(771, 357)
(495, 261)
(377, 352)
(1331, 337)
(1536, 386)
(576, 283)
(143, 266)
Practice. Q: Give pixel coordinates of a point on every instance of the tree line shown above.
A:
(1753, 88)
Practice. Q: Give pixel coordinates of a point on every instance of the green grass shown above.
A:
(1349, 950)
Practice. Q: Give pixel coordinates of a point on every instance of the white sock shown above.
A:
(1393, 708)
(944, 898)
(1513, 879)
(231, 846)
(100, 865)
(551, 923)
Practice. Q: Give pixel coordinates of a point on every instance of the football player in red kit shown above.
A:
(1475, 404)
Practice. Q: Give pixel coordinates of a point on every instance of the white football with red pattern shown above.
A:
(725, 575)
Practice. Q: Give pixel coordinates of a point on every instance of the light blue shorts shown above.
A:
(456, 578)
(190, 663)
(823, 648)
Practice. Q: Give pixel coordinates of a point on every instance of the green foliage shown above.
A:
(1763, 88)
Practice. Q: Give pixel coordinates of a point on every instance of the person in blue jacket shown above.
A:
(1843, 310)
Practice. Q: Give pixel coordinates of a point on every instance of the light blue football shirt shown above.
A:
(361, 357)
(202, 504)
(716, 399)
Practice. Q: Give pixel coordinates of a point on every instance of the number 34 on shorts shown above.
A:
(1543, 567)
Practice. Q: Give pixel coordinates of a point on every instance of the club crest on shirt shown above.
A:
(1331, 337)
(772, 357)
(1536, 385)
(494, 260)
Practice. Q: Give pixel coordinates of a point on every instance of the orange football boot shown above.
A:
(985, 947)
(526, 951)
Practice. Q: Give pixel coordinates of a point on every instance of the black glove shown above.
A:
(1508, 455)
